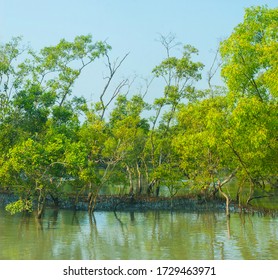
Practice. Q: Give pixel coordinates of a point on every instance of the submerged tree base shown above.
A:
(144, 203)
(141, 203)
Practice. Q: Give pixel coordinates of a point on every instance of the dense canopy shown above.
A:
(218, 141)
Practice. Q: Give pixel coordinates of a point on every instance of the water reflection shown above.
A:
(147, 235)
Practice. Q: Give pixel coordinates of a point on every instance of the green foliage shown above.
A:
(19, 206)
(200, 142)
(249, 55)
(250, 70)
(38, 122)
(195, 139)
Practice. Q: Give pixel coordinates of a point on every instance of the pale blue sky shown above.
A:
(127, 25)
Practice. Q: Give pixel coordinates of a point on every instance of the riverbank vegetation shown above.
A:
(209, 143)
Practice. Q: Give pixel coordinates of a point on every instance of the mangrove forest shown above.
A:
(217, 143)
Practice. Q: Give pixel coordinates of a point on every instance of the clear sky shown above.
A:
(127, 25)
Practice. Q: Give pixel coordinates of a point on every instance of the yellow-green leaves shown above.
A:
(19, 206)
(193, 138)
(250, 54)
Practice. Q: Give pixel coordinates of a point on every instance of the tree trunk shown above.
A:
(250, 193)
(150, 187)
(139, 185)
(157, 190)
(220, 185)
(239, 190)
(227, 201)
(131, 190)
(41, 204)
(93, 200)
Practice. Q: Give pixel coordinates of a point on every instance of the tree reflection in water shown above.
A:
(137, 235)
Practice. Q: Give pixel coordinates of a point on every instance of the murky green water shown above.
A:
(150, 235)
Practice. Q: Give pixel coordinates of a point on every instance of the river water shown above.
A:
(65, 234)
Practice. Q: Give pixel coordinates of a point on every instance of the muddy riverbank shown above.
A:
(143, 203)
(128, 203)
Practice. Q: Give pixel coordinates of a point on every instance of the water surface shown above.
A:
(148, 235)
